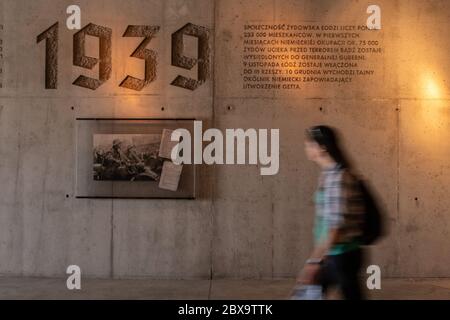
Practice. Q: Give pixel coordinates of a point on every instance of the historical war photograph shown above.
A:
(127, 157)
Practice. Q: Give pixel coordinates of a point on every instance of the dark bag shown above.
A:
(373, 226)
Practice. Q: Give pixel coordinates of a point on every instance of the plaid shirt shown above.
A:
(342, 207)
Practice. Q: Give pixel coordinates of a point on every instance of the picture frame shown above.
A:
(123, 158)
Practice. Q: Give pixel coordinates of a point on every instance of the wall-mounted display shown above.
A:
(130, 158)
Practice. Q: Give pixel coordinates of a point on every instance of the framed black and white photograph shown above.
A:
(130, 158)
(127, 157)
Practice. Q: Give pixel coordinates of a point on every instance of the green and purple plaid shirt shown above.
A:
(339, 205)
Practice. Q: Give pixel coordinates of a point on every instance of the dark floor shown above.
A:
(51, 288)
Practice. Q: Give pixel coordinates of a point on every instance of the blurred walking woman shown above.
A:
(337, 256)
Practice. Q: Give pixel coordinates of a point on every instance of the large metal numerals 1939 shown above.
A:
(51, 55)
(182, 61)
(142, 53)
(104, 60)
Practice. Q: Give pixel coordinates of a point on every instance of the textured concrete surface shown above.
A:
(55, 288)
(44, 228)
(396, 129)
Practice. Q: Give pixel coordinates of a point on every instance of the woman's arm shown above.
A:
(310, 270)
(321, 250)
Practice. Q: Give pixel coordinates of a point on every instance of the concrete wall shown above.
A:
(243, 225)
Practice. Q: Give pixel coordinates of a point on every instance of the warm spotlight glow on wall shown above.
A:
(431, 87)
(432, 111)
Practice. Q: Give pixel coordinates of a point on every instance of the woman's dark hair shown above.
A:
(327, 138)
